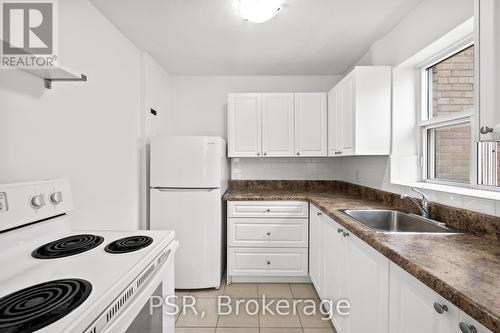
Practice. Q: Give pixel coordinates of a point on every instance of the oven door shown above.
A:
(148, 312)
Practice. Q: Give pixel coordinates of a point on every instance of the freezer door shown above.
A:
(187, 162)
(196, 217)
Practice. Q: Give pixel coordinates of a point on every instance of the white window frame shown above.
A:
(427, 122)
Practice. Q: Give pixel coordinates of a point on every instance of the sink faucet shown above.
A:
(424, 207)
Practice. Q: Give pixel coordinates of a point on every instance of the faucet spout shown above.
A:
(423, 207)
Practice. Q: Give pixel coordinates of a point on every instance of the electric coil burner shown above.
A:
(67, 246)
(128, 244)
(35, 307)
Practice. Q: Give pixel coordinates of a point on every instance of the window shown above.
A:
(448, 100)
(448, 108)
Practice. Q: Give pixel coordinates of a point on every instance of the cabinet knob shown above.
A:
(258, 154)
(269, 234)
(340, 230)
(486, 130)
(268, 262)
(298, 154)
(265, 154)
(440, 308)
(320, 213)
(268, 210)
(345, 234)
(464, 328)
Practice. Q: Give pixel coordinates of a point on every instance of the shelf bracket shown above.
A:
(48, 82)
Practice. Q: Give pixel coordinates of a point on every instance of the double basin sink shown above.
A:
(391, 221)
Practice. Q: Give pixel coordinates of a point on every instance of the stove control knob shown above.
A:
(56, 197)
(37, 201)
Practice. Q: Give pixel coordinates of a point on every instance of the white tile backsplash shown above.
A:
(371, 171)
(485, 206)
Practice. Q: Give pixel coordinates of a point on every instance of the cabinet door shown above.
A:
(334, 121)
(466, 322)
(333, 264)
(412, 309)
(244, 125)
(277, 125)
(315, 249)
(488, 42)
(347, 124)
(310, 124)
(366, 285)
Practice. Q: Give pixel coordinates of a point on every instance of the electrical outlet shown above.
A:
(3, 202)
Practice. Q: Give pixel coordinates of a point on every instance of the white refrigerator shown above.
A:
(188, 177)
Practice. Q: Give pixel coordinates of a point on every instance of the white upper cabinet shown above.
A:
(278, 125)
(415, 308)
(310, 124)
(489, 71)
(360, 113)
(347, 122)
(334, 118)
(244, 125)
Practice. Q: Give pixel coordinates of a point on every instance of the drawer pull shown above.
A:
(320, 213)
(345, 234)
(440, 308)
(464, 328)
(340, 230)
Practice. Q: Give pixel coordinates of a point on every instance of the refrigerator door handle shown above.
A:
(167, 189)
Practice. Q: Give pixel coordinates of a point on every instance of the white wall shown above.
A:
(427, 22)
(199, 103)
(88, 131)
(155, 94)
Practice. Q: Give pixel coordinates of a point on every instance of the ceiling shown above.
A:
(208, 37)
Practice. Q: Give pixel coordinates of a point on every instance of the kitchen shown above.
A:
(324, 114)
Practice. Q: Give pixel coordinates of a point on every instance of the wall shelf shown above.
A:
(55, 74)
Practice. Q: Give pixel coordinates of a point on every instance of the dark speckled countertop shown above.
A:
(463, 268)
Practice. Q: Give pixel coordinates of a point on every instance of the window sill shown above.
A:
(470, 192)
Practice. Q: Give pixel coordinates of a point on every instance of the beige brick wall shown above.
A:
(453, 91)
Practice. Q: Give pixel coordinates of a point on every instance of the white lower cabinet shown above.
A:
(268, 241)
(315, 249)
(355, 272)
(267, 262)
(414, 306)
(468, 325)
(383, 297)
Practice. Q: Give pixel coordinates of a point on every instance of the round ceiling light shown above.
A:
(259, 11)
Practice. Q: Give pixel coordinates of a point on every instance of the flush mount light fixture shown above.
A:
(259, 11)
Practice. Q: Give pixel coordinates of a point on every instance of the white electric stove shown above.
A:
(56, 279)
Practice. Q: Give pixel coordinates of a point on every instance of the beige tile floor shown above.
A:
(246, 323)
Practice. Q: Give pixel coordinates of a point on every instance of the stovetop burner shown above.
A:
(35, 307)
(67, 246)
(128, 244)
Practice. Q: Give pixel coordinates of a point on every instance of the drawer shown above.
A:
(273, 232)
(267, 209)
(267, 261)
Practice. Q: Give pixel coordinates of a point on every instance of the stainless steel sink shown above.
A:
(391, 221)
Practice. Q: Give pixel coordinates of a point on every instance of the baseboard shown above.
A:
(268, 279)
